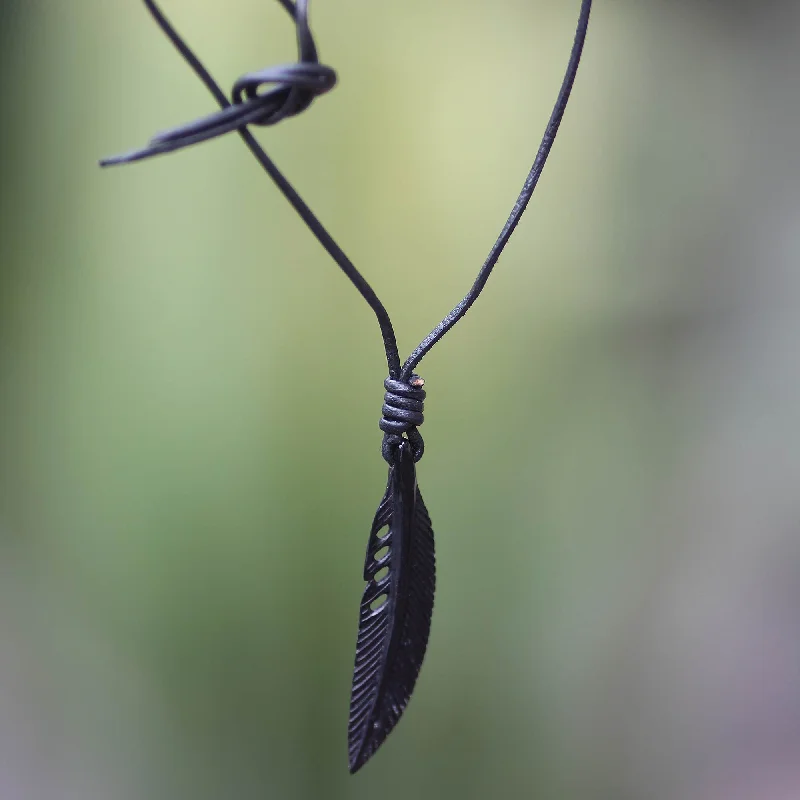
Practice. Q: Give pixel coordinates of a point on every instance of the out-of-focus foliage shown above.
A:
(189, 395)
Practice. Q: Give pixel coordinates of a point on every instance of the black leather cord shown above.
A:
(269, 105)
(296, 86)
(397, 603)
(522, 201)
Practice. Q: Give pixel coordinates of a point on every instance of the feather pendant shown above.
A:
(396, 609)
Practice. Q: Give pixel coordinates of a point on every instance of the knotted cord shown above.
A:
(295, 88)
(403, 406)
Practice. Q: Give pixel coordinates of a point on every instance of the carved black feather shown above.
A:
(396, 609)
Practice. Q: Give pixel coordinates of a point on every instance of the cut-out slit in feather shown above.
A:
(392, 636)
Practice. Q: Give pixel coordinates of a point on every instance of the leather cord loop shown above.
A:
(295, 86)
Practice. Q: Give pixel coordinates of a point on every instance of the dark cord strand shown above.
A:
(308, 54)
(519, 207)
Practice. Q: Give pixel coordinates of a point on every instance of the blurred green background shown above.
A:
(613, 449)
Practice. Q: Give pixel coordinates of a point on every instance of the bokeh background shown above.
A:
(189, 396)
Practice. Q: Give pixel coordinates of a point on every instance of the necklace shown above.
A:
(399, 571)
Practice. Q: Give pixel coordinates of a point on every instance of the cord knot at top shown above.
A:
(294, 87)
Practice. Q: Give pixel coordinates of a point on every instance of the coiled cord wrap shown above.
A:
(294, 87)
(402, 413)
